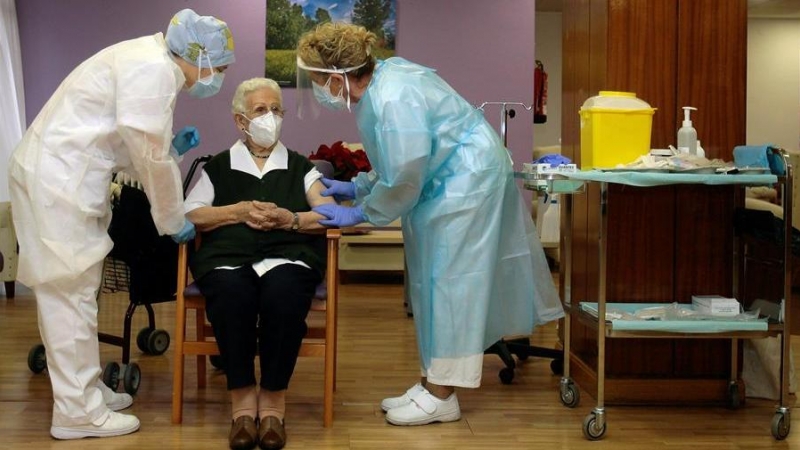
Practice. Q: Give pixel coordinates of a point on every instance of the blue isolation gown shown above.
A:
(476, 268)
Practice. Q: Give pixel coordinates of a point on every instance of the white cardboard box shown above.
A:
(716, 305)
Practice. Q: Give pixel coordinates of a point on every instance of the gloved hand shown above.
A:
(186, 139)
(186, 234)
(340, 216)
(340, 190)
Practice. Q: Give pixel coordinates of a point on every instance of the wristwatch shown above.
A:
(295, 222)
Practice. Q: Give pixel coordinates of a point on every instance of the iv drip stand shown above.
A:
(505, 114)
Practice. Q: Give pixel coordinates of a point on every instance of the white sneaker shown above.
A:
(425, 408)
(115, 424)
(113, 400)
(396, 402)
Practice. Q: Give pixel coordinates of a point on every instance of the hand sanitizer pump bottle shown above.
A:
(687, 135)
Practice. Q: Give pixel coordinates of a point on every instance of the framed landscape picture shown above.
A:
(287, 20)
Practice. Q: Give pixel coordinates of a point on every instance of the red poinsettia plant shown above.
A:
(346, 163)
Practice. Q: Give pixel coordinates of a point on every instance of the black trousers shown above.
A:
(267, 314)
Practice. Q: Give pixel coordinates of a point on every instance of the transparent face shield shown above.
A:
(314, 89)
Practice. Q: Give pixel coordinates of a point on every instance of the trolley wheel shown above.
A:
(506, 375)
(780, 426)
(216, 361)
(571, 396)
(111, 375)
(734, 396)
(142, 338)
(132, 377)
(158, 342)
(590, 429)
(557, 366)
(37, 359)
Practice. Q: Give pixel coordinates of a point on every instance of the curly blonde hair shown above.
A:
(339, 45)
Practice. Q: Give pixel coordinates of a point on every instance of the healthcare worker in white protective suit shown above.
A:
(112, 113)
(476, 269)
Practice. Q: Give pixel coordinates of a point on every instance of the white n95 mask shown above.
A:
(264, 129)
(327, 99)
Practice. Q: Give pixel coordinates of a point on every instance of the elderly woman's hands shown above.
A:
(268, 216)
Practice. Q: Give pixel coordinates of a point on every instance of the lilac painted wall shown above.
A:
(56, 36)
(484, 49)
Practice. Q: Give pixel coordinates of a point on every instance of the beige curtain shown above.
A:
(12, 99)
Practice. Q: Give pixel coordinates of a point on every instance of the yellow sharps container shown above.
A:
(615, 129)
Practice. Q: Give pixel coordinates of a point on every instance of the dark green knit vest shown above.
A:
(238, 244)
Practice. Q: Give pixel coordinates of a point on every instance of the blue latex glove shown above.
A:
(186, 139)
(186, 234)
(340, 190)
(553, 159)
(340, 216)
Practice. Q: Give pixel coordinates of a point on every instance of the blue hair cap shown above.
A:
(194, 37)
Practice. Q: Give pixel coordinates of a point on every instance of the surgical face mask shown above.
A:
(208, 86)
(322, 95)
(327, 99)
(264, 129)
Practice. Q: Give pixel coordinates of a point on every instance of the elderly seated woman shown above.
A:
(259, 260)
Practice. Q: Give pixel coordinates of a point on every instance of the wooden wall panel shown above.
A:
(712, 71)
(711, 75)
(642, 40)
(704, 239)
(575, 48)
(641, 257)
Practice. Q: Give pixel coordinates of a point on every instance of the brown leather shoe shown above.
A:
(244, 433)
(271, 434)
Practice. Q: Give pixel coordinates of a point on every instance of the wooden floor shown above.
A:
(377, 358)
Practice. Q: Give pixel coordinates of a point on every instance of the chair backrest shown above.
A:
(320, 339)
(324, 167)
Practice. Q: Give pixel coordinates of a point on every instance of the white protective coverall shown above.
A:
(112, 113)
(476, 268)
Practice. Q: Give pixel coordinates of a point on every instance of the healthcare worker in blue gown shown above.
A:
(476, 268)
(112, 113)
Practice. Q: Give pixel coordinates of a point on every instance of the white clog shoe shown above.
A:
(115, 424)
(425, 408)
(403, 400)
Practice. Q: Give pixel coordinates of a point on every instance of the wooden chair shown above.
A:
(320, 339)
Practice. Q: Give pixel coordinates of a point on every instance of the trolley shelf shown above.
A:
(771, 329)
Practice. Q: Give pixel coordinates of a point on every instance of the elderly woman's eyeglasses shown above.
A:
(274, 109)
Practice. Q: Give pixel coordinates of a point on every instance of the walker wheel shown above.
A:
(132, 377)
(158, 342)
(142, 338)
(111, 375)
(37, 359)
